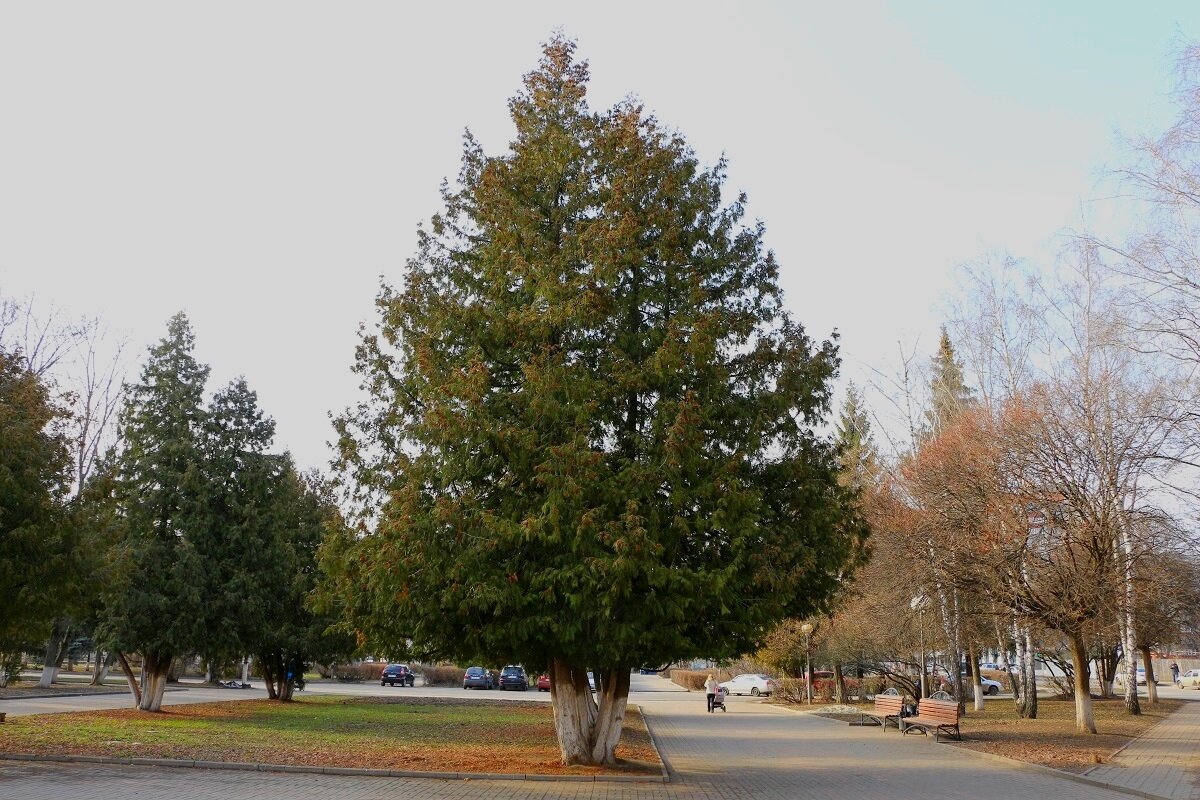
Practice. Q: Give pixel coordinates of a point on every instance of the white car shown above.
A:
(751, 683)
(1189, 679)
(991, 687)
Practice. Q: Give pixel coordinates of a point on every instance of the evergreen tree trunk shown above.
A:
(131, 679)
(588, 728)
(56, 651)
(1151, 684)
(104, 663)
(1085, 717)
(155, 670)
(268, 668)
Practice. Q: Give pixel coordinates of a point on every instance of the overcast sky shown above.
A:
(260, 165)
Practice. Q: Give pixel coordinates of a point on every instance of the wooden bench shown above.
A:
(887, 710)
(940, 716)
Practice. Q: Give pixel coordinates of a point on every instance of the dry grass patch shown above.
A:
(1051, 740)
(380, 733)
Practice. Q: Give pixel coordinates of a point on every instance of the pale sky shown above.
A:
(260, 165)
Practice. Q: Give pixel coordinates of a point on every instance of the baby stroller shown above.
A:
(719, 699)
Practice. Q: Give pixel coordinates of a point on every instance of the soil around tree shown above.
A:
(418, 734)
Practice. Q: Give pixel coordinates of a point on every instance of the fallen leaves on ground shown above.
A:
(1052, 740)
(450, 735)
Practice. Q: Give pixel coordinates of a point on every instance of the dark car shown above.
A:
(543, 682)
(513, 677)
(394, 674)
(477, 678)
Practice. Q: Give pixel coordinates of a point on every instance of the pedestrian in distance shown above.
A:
(711, 687)
(1174, 672)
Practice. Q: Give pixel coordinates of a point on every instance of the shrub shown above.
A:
(693, 679)
(353, 673)
(442, 675)
(790, 690)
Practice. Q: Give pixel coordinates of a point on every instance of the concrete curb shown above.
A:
(314, 770)
(46, 695)
(666, 767)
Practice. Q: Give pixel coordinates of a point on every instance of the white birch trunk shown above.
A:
(1128, 631)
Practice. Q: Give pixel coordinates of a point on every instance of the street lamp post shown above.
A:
(918, 604)
(807, 630)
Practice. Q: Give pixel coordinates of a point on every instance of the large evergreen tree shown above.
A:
(304, 512)
(236, 539)
(155, 603)
(591, 424)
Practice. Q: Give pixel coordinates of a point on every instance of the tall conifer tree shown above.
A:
(154, 605)
(592, 419)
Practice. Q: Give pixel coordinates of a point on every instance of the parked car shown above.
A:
(991, 687)
(543, 682)
(513, 677)
(1141, 677)
(394, 674)
(477, 678)
(751, 683)
(1189, 679)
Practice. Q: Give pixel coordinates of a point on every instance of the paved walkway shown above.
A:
(1164, 762)
(753, 751)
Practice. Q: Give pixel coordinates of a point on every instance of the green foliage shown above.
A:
(155, 601)
(295, 636)
(590, 427)
(35, 540)
(949, 393)
(858, 456)
(217, 541)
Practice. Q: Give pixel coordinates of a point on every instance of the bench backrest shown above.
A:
(944, 711)
(888, 704)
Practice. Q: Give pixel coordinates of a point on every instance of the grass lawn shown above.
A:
(383, 733)
(1051, 739)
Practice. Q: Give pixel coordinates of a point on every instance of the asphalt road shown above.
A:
(643, 688)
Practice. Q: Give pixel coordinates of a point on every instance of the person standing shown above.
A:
(711, 687)
(1174, 672)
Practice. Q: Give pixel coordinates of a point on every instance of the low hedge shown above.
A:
(693, 679)
(354, 673)
(443, 675)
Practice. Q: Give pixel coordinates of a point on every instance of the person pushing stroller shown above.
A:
(714, 694)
